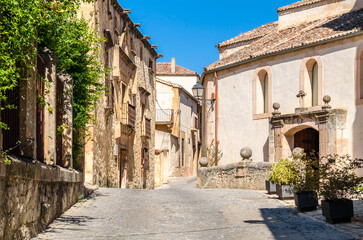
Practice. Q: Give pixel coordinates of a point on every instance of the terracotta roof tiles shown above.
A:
(251, 35)
(165, 69)
(298, 4)
(297, 36)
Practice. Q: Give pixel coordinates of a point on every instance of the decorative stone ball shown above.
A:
(298, 152)
(276, 106)
(246, 153)
(203, 161)
(326, 99)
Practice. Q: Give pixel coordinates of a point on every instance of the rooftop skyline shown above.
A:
(190, 30)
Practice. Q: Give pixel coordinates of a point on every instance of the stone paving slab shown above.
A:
(181, 211)
(354, 229)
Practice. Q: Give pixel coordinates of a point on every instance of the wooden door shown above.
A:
(308, 139)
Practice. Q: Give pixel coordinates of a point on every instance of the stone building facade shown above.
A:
(309, 63)
(120, 150)
(177, 132)
(39, 184)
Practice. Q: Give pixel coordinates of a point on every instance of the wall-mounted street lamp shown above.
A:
(198, 91)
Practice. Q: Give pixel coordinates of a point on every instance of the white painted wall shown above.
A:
(187, 82)
(237, 128)
(321, 10)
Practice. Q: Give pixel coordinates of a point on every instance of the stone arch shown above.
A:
(306, 75)
(258, 78)
(288, 136)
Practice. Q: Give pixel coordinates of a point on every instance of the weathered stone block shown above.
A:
(246, 175)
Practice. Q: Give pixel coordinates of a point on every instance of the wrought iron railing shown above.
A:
(164, 115)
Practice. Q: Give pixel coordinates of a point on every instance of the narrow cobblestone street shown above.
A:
(181, 211)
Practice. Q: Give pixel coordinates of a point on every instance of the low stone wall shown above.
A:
(243, 175)
(33, 194)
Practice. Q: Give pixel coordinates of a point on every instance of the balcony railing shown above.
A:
(128, 115)
(164, 115)
(146, 128)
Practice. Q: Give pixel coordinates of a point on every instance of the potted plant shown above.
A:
(284, 174)
(338, 186)
(306, 183)
(271, 184)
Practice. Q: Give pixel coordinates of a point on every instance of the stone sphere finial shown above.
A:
(203, 161)
(326, 100)
(246, 153)
(276, 106)
(298, 152)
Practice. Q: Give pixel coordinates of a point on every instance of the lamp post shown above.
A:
(198, 91)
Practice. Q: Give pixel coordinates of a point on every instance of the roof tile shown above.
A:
(303, 34)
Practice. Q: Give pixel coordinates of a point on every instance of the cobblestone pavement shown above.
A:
(181, 211)
(354, 228)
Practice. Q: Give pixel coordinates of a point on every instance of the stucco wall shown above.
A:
(32, 195)
(319, 10)
(236, 125)
(187, 82)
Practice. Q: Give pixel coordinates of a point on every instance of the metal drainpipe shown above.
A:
(180, 147)
(216, 119)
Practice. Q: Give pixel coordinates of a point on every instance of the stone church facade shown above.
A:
(120, 150)
(292, 83)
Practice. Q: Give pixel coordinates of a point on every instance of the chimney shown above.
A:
(173, 65)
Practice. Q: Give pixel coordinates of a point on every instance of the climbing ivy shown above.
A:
(29, 25)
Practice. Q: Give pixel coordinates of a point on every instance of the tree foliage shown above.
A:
(26, 26)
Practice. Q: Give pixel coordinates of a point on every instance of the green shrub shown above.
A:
(284, 172)
(338, 179)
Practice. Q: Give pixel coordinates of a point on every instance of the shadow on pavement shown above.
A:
(286, 223)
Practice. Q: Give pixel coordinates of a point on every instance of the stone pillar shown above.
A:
(28, 114)
(324, 137)
(67, 118)
(50, 108)
(276, 124)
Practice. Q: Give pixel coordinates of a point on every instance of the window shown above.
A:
(141, 54)
(314, 84)
(262, 93)
(265, 94)
(311, 82)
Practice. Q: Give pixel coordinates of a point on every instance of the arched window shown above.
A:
(265, 94)
(314, 84)
(311, 82)
(262, 93)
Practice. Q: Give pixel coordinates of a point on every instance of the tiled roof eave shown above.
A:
(238, 41)
(293, 6)
(334, 38)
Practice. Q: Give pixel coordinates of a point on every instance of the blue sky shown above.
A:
(189, 29)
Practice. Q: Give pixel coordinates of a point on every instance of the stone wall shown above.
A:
(243, 175)
(33, 194)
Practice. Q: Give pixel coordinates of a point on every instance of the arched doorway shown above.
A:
(308, 139)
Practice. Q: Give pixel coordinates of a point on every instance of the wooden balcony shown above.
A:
(128, 115)
(146, 128)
